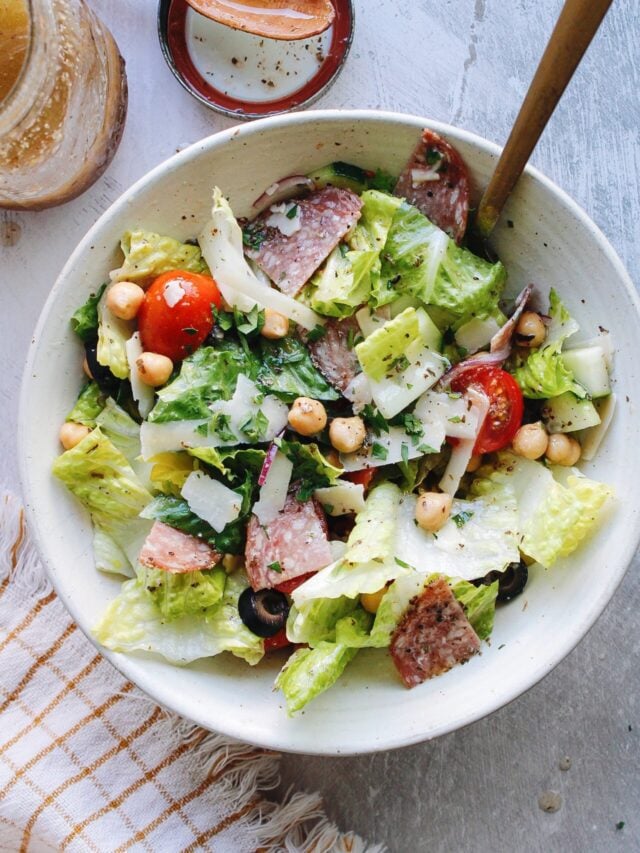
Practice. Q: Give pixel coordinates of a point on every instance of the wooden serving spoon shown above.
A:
(571, 37)
(275, 19)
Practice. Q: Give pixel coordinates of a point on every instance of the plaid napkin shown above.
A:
(88, 762)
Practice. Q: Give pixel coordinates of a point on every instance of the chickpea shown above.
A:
(433, 510)
(371, 600)
(307, 416)
(474, 463)
(531, 441)
(530, 331)
(276, 325)
(232, 562)
(563, 450)
(347, 434)
(86, 368)
(154, 369)
(124, 299)
(72, 434)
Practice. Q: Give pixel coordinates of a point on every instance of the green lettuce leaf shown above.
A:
(88, 406)
(183, 594)
(84, 321)
(113, 334)
(208, 375)
(420, 259)
(315, 621)
(147, 254)
(124, 432)
(102, 479)
(479, 604)
(286, 370)
(232, 462)
(344, 282)
(133, 622)
(309, 672)
(169, 471)
(310, 466)
(109, 556)
(557, 508)
(369, 561)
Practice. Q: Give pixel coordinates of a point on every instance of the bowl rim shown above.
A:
(132, 667)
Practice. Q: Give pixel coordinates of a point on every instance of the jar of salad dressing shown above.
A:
(63, 100)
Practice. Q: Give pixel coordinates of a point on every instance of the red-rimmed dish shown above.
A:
(183, 34)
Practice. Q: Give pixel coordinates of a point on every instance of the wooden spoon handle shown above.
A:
(572, 35)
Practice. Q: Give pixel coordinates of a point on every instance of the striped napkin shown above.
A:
(88, 762)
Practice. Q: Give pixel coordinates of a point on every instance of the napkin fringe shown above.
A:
(243, 773)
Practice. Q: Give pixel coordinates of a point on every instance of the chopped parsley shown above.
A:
(253, 236)
(189, 330)
(374, 420)
(461, 518)
(426, 448)
(275, 567)
(255, 426)
(456, 419)
(402, 564)
(316, 333)
(292, 212)
(411, 424)
(250, 322)
(379, 451)
(221, 425)
(404, 451)
(433, 156)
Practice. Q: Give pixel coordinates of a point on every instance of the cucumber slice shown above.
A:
(343, 175)
(568, 413)
(589, 367)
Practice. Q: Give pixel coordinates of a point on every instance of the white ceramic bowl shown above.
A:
(552, 242)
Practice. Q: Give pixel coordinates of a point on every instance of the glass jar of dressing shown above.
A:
(63, 101)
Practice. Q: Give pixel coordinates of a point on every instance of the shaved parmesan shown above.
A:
(423, 176)
(476, 334)
(393, 394)
(273, 492)
(211, 500)
(173, 292)
(451, 414)
(358, 392)
(369, 321)
(221, 245)
(285, 217)
(143, 394)
(384, 449)
(342, 498)
(462, 453)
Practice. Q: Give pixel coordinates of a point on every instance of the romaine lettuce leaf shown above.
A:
(109, 556)
(315, 621)
(147, 254)
(169, 471)
(309, 672)
(84, 321)
(183, 594)
(133, 622)
(101, 478)
(369, 561)
(479, 604)
(113, 334)
(208, 375)
(88, 406)
(557, 508)
(344, 281)
(124, 432)
(231, 462)
(286, 370)
(544, 374)
(311, 468)
(420, 259)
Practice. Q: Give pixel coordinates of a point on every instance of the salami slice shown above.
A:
(174, 551)
(333, 354)
(432, 636)
(436, 181)
(291, 545)
(321, 221)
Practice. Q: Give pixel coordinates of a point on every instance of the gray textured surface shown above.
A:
(468, 63)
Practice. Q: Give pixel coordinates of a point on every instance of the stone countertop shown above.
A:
(467, 62)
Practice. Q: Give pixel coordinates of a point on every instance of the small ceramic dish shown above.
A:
(246, 76)
(543, 237)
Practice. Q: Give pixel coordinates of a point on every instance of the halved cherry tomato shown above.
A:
(278, 641)
(361, 478)
(176, 314)
(287, 587)
(506, 405)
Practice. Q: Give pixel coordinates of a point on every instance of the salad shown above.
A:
(326, 428)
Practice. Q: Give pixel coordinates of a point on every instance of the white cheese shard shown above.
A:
(211, 500)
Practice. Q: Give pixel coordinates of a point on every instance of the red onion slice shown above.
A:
(502, 339)
(268, 459)
(282, 190)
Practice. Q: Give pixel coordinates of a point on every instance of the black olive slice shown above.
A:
(107, 382)
(264, 612)
(511, 581)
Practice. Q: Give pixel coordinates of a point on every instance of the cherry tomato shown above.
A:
(287, 587)
(278, 641)
(506, 405)
(361, 478)
(176, 315)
